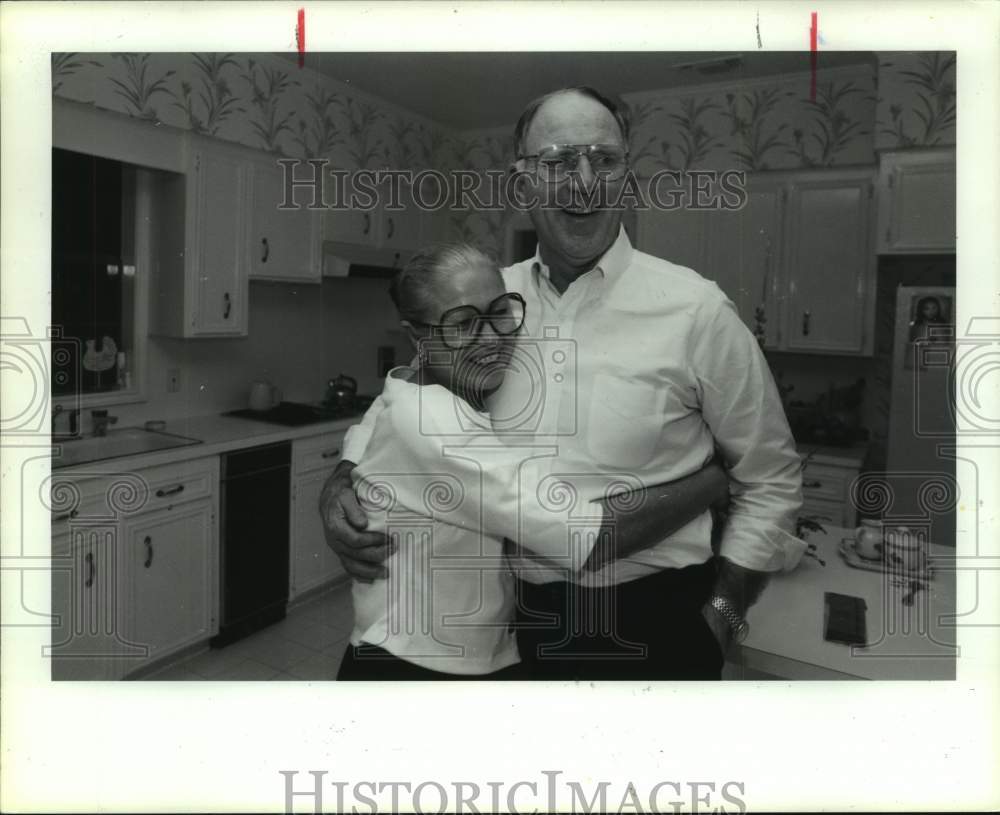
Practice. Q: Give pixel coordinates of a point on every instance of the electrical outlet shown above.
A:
(173, 380)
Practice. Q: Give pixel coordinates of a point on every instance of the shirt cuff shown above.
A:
(760, 546)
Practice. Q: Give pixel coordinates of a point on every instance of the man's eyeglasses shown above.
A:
(555, 162)
(460, 326)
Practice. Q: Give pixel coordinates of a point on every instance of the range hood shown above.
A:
(358, 260)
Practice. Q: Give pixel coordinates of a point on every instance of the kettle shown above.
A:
(341, 392)
(264, 396)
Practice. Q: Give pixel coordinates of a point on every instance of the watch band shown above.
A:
(737, 624)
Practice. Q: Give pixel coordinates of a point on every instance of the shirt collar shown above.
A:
(611, 265)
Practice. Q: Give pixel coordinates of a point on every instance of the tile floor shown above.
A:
(306, 645)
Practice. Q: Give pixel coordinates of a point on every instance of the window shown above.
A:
(95, 294)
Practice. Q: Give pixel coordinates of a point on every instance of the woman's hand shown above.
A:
(344, 521)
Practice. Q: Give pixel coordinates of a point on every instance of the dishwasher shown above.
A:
(253, 532)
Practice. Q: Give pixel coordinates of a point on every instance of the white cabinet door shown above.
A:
(88, 641)
(285, 244)
(217, 246)
(828, 263)
(313, 562)
(169, 573)
(743, 251)
(401, 227)
(917, 202)
(356, 225)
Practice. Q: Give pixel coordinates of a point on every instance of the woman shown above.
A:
(447, 490)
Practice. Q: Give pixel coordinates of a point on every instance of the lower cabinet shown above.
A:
(826, 494)
(168, 580)
(313, 564)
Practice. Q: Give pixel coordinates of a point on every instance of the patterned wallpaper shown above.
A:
(259, 101)
(916, 99)
(758, 125)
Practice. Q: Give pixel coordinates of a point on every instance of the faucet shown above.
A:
(101, 421)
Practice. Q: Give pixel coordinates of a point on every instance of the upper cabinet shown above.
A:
(201, 255)
(385, 224)
(796, 259)
(829, 264)
(916, 210)
(285, 244)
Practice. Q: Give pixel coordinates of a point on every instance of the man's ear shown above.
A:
(411, 334)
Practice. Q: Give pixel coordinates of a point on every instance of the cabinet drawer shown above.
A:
(317, 452)
(74, 497)
(824, 482)
(174, 484)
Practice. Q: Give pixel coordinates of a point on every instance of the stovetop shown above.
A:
(296, 414)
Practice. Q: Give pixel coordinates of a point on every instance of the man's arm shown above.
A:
(344, 521)
(639, 519)
(740, 404)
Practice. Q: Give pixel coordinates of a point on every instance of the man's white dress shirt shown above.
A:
(640, 368)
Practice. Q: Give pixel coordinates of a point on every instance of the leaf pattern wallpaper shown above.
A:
(267, 103)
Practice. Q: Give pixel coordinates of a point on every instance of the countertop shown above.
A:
(904, 642)
(218, 434)
(852, 457)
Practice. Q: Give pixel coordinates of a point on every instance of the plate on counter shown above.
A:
(852, 558)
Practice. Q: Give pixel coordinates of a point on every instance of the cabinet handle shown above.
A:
(805, 322)
(392, 228)
(811, 485)
(331, 453)
(90, 570)
(149, 551)
(265, 250)
(368, 224)
(71, 514)
(227, 305)
(163, 493)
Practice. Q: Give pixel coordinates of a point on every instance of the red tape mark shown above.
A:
(813, 36)
(300, 36)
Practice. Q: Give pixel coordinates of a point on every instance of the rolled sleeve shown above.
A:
(741, 406)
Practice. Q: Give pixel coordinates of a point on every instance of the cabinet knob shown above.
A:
(163, 493)
(90, 570)
(391, 229)
(368, 224)
(227, 305)
(331, 453)
(265, 250)
(806, 315)
(811, 485)
(148, 541)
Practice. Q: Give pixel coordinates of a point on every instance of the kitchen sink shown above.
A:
(127, 441)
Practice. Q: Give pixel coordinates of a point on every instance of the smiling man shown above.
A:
(665, 374)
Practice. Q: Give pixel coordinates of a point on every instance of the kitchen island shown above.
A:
(916, 641)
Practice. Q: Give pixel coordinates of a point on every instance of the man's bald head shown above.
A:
(614, 106)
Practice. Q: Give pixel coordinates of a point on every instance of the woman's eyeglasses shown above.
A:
(555, 162)
(460, 326)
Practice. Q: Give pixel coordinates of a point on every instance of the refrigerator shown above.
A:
(919, 475)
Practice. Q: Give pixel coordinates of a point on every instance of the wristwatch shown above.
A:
(737, 624)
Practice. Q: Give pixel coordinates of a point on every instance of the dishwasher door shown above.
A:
(254, 524)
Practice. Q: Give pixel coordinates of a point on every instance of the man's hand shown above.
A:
(344, 521)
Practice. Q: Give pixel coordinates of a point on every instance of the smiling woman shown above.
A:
(94, 286)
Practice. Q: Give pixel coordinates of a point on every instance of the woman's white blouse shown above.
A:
(447, 492)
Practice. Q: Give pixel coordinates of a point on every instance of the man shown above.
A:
(665, 373)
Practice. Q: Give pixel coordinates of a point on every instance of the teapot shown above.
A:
(341, 392)
(264, 396)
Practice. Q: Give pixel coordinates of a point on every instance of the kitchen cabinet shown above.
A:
(826, 492)
(168, 579)
(796, 259)
(285, 244)
(86, 633)
(829, 264)
(379, 227)
(916, 210)
(134, 567)
(313, 563)
(201, 248)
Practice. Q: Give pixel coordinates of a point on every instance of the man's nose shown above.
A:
(585, 175)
